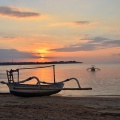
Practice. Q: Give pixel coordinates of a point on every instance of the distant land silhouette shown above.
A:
(32, 63)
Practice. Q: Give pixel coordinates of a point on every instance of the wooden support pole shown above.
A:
(54, 72)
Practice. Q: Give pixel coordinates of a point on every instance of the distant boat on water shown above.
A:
(93, 68)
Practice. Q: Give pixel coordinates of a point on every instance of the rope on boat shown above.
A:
(36, 67)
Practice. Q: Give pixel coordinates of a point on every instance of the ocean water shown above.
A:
(105, 82)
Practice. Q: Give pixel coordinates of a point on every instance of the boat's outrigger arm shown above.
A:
(72, 79)
(30, 78)
(38, 81)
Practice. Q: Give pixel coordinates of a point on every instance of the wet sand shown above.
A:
(59, 108)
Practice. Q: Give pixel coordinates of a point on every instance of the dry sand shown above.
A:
(59, 108)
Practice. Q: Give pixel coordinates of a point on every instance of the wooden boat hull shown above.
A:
(35, 90)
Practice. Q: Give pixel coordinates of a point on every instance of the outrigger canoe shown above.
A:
(93, 69)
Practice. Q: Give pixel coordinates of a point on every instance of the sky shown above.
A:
(60, 30)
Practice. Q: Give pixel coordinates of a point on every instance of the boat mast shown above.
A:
(54, 72)
(18, 75)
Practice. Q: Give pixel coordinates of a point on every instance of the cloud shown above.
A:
(98, 39)
(75, 23)
(13, 53)
(112, 43)
(82, 22)
(75, 48)
(106, 42)
(14, 12)
(8, 55)
(95, 43)
(4, 36)
(116, 54)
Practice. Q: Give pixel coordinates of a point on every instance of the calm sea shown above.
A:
(104, 82)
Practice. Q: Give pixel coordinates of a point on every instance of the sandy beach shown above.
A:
(59, 108)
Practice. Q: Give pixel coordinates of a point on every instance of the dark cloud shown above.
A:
(117, 54)
(12, 53)
(112, 43)
(75, 48)
(9, 11)
(99, 39)
(92, 44)
(82, 22)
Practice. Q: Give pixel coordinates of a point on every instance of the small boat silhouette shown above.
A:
(93, 69)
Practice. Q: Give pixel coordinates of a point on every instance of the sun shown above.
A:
(42, 57)
(42, 53)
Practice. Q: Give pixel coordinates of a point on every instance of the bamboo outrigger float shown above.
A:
(41, 88)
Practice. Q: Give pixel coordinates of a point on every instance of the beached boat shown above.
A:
(20, 88)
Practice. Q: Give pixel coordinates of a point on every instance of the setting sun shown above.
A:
(42, 53)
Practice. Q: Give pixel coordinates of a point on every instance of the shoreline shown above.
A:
(38, 63)
(73, 96)
(59, 107)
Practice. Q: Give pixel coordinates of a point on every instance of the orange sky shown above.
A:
(87, 31)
